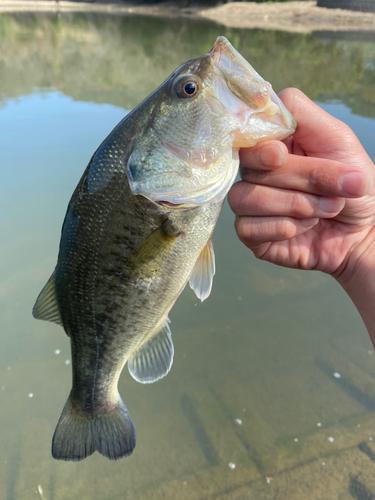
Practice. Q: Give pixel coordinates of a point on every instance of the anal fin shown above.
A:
(46, 307)
(203, 272)
(154, 359)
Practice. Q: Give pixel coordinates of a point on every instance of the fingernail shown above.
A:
(272, 156)
(331, 205)
(309, 222)
(356, 183)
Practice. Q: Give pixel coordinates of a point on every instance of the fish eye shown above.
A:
(187, 88)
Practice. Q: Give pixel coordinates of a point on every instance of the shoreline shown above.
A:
(299, 16)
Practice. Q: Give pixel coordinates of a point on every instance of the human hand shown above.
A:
(308, 202)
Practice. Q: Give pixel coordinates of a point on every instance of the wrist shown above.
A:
(357, 278)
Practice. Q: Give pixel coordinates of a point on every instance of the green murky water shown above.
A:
(253, 377)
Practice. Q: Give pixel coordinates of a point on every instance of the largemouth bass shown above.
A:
(138, 228)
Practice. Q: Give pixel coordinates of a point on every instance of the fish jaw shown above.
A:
(248, 97)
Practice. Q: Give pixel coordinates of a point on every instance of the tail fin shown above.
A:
(78, 435)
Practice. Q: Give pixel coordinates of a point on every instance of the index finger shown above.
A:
(318, 133)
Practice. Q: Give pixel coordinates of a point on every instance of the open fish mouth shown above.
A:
(250, 99)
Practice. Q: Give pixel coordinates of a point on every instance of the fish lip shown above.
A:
(265, 99)
(223, 46)
(169, 204)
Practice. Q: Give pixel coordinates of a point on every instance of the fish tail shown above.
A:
(78, 434)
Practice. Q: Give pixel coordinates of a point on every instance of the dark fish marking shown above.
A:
(200, 434)
(359, 491)
(346, 385)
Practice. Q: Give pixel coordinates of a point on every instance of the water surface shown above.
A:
(254, 365)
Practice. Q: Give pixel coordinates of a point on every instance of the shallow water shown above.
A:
(254, 365)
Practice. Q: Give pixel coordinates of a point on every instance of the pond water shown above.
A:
(272, 391)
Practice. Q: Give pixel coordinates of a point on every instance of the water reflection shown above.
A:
(263, 350)
(121, 59)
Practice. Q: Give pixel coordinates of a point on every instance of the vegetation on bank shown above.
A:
(121, 59)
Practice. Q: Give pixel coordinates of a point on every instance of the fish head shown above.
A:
(198, 119)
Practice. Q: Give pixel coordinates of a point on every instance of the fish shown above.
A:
(138, 228)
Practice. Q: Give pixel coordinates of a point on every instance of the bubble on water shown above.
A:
(184, 483)
(30, 394)
(323, 463)
(337, 375)
(240, 298)
(359, 425)
(3, 388)
(228, 327)
(319, 424)
(57, 351)
(370, 352)
(238, 421)
(232, 465)
(8, 367)
(67, 361)
(184, 355)
(331, 439)
(296, 440)
(244, 410)
(370, 438)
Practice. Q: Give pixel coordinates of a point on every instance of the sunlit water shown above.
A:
(273, 383)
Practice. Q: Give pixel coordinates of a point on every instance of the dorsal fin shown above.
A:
(203, 272)
(154, 359)
(46, 307)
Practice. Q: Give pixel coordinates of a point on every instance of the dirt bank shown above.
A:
(290, 16)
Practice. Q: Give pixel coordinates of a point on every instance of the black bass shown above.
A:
(138, 228)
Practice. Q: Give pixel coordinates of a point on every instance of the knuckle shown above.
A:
(295, 203)
(301, 205)
(316, 179)
(286, 229)
(243, 229)
(234, 197)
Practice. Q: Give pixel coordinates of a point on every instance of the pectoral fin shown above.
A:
(149, 258)
(203, 272)
(154, 359)
(46, 307)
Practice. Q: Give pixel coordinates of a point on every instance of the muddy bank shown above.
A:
(303, 17)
